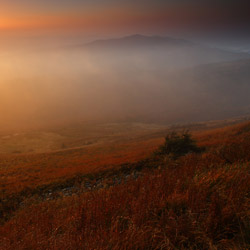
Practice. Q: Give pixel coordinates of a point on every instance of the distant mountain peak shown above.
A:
(135, 36)
(139, 40)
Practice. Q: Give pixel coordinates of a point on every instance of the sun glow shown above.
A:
(83, 19)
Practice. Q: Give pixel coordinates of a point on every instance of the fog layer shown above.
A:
(168, 84)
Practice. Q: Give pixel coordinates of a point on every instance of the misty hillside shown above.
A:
(138, 41)
(154, 79)
(164, 52)
(204, 92)
(214, 90)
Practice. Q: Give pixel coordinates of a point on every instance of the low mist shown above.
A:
(41, 87)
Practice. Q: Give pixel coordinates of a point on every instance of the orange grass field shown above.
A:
(31, 170)
(198, 201)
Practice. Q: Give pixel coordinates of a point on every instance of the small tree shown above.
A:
(178, 145)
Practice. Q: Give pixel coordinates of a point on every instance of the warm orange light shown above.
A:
(78, 19)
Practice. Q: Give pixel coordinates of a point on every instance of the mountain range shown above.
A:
(159, 51)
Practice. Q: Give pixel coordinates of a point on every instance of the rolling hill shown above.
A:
(197, 201)
(169, 51)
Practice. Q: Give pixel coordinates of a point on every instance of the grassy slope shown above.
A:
(29, 171)
(200, 201)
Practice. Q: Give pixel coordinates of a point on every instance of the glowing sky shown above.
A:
(113, 15)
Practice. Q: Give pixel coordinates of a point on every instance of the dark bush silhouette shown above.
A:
(178, 145)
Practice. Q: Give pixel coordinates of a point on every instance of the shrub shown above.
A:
(177, 145)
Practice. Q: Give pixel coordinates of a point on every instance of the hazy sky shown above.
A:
(115, 15)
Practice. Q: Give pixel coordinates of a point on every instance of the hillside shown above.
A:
(168, 51)
(138, 41)
(197, 201)
(222, 88)
(205, 92)
(139, 84)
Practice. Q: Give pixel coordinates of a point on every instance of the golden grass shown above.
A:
(200, 201)
(32, 170)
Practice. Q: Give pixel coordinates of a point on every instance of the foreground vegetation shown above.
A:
(190, 199)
